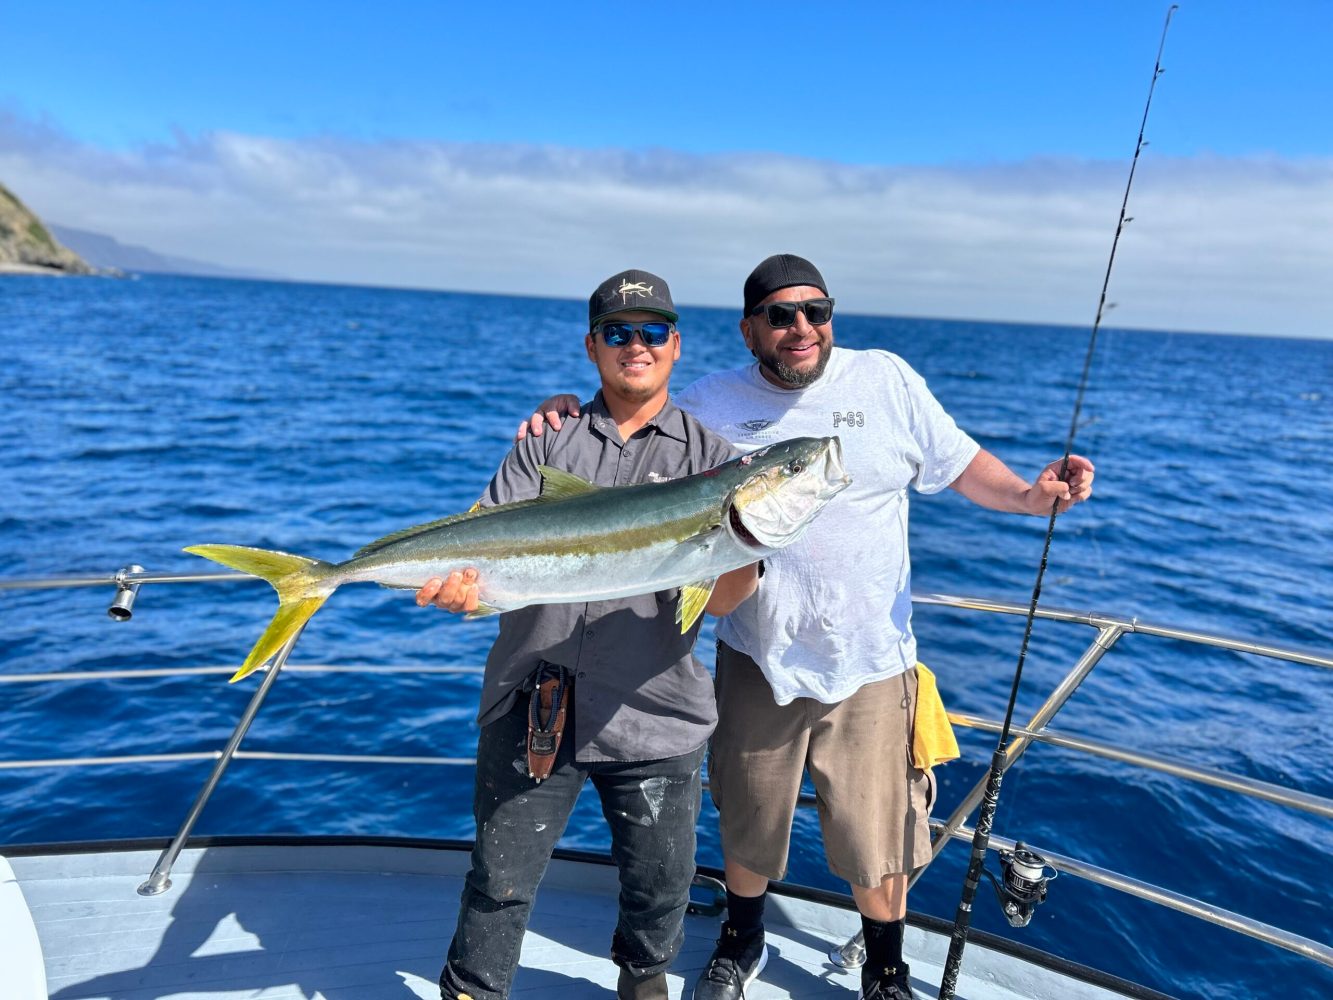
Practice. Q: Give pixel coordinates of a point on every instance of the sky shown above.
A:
(959, 160)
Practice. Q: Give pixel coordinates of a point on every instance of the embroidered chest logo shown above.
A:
(852, 418)
(755, 426)
(640, 289)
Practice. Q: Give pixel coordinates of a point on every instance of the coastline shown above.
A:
(9, 267)
(14, 268)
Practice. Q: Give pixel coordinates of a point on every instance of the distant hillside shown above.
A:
(27, 245)
(106, 251)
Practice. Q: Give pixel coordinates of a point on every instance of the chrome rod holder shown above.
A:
(122, 607)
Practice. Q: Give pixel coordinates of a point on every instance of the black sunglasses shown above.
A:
(780, 314)
(620, 334)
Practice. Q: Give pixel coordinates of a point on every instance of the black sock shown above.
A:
(746, 913)
(884, 947)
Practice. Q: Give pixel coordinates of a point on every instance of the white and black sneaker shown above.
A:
(736, 963)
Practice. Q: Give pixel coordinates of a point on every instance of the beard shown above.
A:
(794, 377)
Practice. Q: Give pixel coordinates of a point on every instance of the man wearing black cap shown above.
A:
(834, 690)
(817, 672)
(639, 706)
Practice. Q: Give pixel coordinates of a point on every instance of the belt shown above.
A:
(546, 719)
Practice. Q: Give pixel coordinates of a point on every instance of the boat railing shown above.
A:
(1109, 630)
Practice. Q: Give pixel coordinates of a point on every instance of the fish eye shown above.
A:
(797, 467)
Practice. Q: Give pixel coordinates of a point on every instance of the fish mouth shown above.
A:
(776, 508)
(740, 531)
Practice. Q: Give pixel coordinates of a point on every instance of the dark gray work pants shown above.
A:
(651, 808)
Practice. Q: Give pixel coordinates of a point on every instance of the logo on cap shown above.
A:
(640, 288)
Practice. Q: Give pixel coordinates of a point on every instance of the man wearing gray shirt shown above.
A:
(640, 708)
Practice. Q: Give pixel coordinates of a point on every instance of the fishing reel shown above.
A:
(1022, 883)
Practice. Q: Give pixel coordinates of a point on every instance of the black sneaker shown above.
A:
(736, 962)
(890, 984)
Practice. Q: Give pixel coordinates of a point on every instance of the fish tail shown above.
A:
(302, 585)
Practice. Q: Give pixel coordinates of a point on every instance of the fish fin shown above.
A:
(301, 585)
(420, 529)
(290, 619)
(693, 598)
(263, 563)
(483, 611)
(558, 484)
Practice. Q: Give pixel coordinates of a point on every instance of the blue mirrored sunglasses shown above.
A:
(620, 334)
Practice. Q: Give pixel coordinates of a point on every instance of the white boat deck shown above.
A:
(372, 922)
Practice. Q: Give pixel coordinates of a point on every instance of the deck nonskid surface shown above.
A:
(373, 923)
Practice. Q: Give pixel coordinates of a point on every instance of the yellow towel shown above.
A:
(932, 737)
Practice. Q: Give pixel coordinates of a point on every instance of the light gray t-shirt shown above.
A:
(834, 610)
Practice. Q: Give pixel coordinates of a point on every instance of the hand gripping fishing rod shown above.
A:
(981, 837)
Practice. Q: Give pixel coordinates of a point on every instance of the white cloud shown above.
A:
(1217, 244)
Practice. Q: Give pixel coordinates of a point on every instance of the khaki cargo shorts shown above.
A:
(874, 806)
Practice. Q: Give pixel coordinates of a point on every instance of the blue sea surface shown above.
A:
(142, 416)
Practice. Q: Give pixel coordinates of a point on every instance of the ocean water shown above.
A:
(142, 416)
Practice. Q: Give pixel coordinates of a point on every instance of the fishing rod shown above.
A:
(1030, 867)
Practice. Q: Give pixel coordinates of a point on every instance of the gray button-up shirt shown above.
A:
(639, 693)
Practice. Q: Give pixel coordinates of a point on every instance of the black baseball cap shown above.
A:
(632, 289)
(782, 270)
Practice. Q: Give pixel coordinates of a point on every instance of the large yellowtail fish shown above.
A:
(576, 542)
